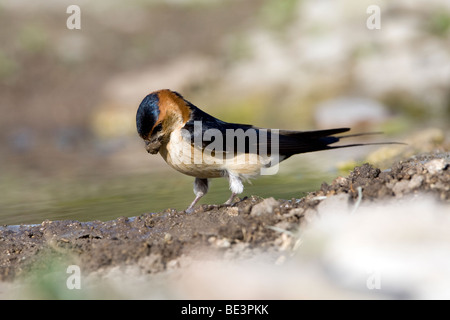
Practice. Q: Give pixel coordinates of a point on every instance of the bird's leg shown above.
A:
(230, 200)
(200, 189)
(236, 187)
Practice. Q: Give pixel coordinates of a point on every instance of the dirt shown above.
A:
(155, 241)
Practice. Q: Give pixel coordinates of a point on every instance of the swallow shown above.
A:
(197, 144)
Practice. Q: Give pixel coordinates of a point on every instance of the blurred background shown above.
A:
(68, 97)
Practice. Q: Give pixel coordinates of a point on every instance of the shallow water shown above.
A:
(28, 200)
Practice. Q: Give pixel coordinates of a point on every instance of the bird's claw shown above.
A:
(189, 210)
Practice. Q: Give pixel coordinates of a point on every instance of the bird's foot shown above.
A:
(189, 210)
(229, 202)
(203, 208)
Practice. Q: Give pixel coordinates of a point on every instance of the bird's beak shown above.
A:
(152, 146)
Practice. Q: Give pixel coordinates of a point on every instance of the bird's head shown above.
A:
(158, 115)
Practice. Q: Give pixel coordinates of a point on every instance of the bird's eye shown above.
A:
(157, 128)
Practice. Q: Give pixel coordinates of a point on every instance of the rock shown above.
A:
(416, 181)
(267, 206)
(335, 203)
(400, 188)
(435, 166)
(222, 243)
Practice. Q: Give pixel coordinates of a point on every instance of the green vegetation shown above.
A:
(440, 23)
(278, 14)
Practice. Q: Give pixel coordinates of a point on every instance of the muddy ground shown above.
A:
(155, 241)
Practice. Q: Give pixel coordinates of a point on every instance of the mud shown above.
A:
(156, 241)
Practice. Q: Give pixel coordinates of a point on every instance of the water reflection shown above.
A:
(26, 200)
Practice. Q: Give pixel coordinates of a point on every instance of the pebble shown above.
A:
(334, 203)
(435, 166)
(416, 181)
(267, 206)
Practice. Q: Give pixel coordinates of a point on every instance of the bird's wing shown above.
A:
(209, 133)
(206, 132)
(294, 142)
